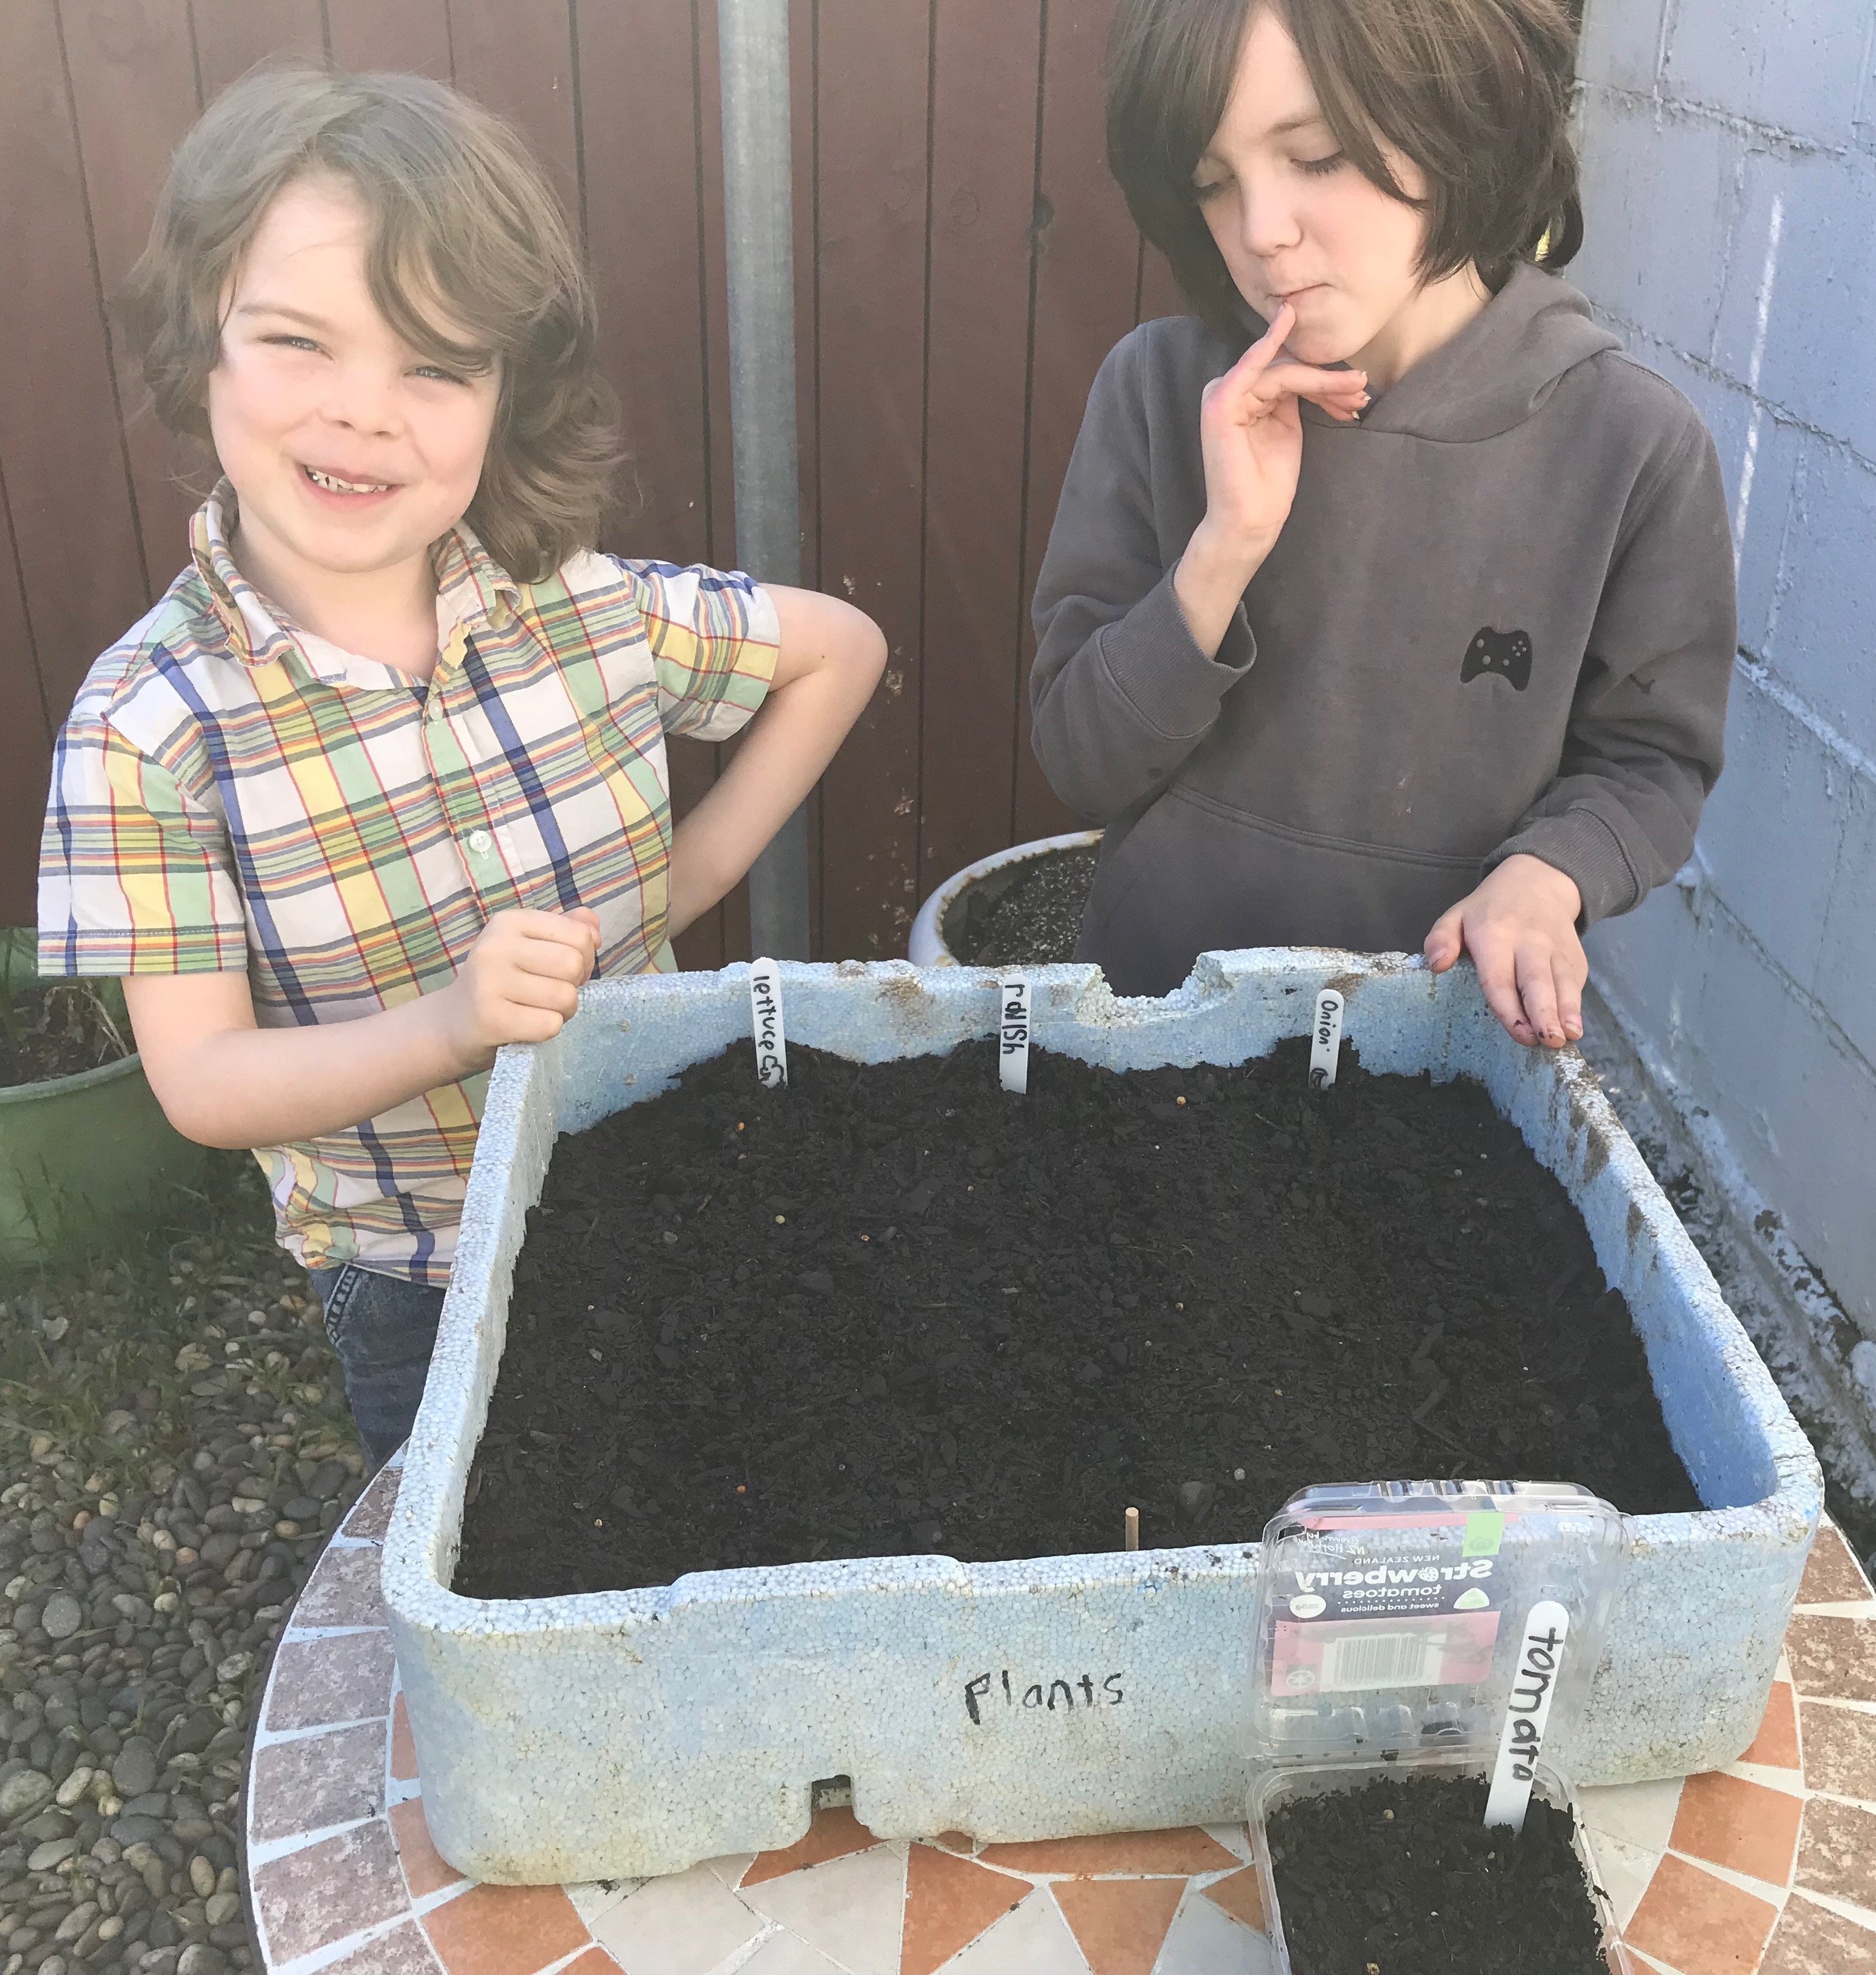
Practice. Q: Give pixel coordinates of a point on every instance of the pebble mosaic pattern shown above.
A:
(1767, 1867)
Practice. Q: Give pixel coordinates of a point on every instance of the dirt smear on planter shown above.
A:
(1401, 1874)
(890, 1309)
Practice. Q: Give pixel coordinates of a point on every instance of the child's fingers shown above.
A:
(554, 960)
(1498, 981)
(1537, 991)
(1571, 971)
(1446, 941)
(1344, 391)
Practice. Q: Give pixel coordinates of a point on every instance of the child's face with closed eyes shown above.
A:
(1295, 221)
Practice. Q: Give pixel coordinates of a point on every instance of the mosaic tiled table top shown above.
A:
(1767, 1867)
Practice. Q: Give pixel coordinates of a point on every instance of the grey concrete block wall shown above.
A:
(1730, 177)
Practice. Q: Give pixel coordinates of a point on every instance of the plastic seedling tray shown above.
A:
(638, 1732)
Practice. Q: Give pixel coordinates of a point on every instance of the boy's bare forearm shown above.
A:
(831, 659)
(223, 1081)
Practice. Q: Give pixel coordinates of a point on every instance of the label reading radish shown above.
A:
(765, 1020)
(1326, 1039)
(1013, 1036)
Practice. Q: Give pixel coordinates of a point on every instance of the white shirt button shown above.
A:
(480, 842)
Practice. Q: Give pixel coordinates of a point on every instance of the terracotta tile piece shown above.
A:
(1810, 1941)
(318, 1781)
(319, 1894)
(404, 1750)
(1700, 1924)
(1727, 1820)
(1835, 1658)
(1775, 1745)
(344, 1590)
(371, 1513)
(1241, 1897)
(1840, 1750)
(1119, 1924)
(949, 1902)
(403, 1951)
(1182, 1852)
(832, 1835)
(425, 1867)
(343, 1679)
(595, 1961)
(504, 1930)
(1833, 1576)
(955, 1841)
(1838, 1854)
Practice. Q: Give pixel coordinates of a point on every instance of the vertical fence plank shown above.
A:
(133, 75)
(233, 35)
(25, 745)
(1086, 280)
(62, 451)
(517, 56)
(644, 239)
(872, 107)
(410, 35)
(983, 192)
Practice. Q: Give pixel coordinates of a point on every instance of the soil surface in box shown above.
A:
(1035, 923)
(889, 1308)
(1402, 1875)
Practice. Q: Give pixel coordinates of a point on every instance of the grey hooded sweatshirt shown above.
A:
(1500, 618)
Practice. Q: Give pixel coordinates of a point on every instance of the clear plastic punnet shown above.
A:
(1392, 1617)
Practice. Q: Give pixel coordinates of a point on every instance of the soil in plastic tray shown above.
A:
(1401, 1874)
(890, 1308)
(1035, 922)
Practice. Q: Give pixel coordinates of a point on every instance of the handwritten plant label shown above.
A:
(1326, 1039)
(986, 1694)
(1533, 1688)
(765, 1022)
(1013, 1036)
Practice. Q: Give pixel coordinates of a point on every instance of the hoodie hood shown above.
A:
(1497, 371)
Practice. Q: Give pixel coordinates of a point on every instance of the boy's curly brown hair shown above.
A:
(1476, 93)
(462, 222)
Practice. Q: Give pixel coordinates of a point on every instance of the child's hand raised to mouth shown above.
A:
(1251, 435)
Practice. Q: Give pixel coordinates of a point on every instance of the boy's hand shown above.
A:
(1519, 926)
(520, 982)
(1251, 438)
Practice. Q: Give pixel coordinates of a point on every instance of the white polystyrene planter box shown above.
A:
(638, 1731)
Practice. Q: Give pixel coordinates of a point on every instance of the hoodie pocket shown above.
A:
(1194, 874)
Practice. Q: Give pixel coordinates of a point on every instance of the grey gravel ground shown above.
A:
(174, 1449)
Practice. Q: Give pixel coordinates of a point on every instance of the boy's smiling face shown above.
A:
(350, 452)
(1295, 221)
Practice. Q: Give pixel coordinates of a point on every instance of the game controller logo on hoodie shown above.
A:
(1507, 653)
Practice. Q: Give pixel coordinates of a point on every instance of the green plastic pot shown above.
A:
(79, 1153)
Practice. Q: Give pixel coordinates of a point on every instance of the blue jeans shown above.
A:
(383, 1328)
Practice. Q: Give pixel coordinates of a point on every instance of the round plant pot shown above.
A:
(983, 883)
(80, 1152)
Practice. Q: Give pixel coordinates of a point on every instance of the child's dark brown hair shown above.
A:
(1476, 92)
(463, 224)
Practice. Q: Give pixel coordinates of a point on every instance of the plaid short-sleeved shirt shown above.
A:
(230, 792)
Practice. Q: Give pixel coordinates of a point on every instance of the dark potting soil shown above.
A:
(1402, 1876)
(890, 1308)
(1034, 923)
(55, 1030)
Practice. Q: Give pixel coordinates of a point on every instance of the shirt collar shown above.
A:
(471, 588)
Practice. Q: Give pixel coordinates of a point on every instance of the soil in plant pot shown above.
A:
(889, 1308)
(1035, 922)
(56, 1030)
(1401, 1874)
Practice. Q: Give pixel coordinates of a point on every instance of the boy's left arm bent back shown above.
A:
(1645, 745)
(808, 664)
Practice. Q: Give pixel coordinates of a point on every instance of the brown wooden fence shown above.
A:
(963, 262)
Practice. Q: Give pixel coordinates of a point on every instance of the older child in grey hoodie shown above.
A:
(1439, 640)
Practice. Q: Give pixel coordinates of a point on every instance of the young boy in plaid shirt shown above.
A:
(382, 780)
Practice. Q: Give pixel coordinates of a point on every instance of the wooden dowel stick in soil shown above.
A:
(1133, 1529)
